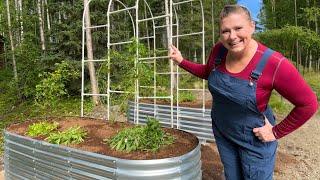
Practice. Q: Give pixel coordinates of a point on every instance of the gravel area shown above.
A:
(298, 156)
(304, 146)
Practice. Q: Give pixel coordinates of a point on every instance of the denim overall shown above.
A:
(234, 115)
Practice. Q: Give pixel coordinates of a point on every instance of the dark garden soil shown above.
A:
(98, 130)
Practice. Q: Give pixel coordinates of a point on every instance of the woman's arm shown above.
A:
(291, 85)
(199, 70)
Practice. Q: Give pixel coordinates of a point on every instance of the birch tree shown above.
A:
(212, 21)
(20, 19)
(92, 72)
(15, 73)
(48, 18)
(42, 39)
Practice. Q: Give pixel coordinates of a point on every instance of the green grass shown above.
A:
(313, 80)
(280, 105)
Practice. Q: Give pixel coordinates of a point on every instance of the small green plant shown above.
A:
(155, 136)
(73, 135)
(186, 97)
(148, 138)
(41, 128)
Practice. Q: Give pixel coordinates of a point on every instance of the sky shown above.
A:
(253, 6)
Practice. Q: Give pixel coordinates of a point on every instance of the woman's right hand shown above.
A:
(175, 54)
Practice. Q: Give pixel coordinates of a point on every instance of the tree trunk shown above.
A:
(92, 72)
(316, 24)
(169, 42)
(310, 64)
(212, 16)
(42, 40)
(296, 23)
(147, 29)
(21, 20)
(2, 55)
(48, 20)
(11, 42)
(59, 15)
(308, 21)
(273, 6)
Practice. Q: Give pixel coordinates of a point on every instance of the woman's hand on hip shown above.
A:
(265, 133)
(175, 54)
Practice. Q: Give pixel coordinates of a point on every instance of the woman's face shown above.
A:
(236, 32)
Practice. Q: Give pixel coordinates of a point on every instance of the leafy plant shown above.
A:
(128, 139)
(8, 92)
(73, 135)
(41, 128)
(149, 138)
(53, 85)
(155, 136)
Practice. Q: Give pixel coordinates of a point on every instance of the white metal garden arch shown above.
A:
(170, 16)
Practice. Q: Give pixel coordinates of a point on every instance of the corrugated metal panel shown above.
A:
(188, 165)
(26, 158)
(193, 120)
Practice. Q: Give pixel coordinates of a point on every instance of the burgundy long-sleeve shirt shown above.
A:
(278, 74)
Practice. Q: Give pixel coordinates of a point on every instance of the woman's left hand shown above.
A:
(265, 133)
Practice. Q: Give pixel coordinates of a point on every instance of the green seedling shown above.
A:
(73, 135)
(41, 128)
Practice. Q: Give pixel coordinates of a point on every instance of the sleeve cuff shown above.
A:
(275, 133)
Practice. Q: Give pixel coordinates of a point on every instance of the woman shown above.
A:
(241, 74)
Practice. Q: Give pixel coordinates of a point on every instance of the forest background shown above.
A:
(41, 49)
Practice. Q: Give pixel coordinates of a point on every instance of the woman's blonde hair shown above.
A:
(234, 8)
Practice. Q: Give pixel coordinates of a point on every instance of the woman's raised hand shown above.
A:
(175, 54)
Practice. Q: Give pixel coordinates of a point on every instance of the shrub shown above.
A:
(53, 85)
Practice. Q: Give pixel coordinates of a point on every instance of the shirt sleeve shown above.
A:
(200, 70)
(291, 85)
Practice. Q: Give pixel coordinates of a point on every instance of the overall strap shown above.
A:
(219, 57)
(263, 61)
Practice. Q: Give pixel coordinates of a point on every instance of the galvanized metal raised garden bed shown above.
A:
(26, 158)
(194, 120)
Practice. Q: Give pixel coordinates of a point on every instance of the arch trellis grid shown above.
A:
(167, 24)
